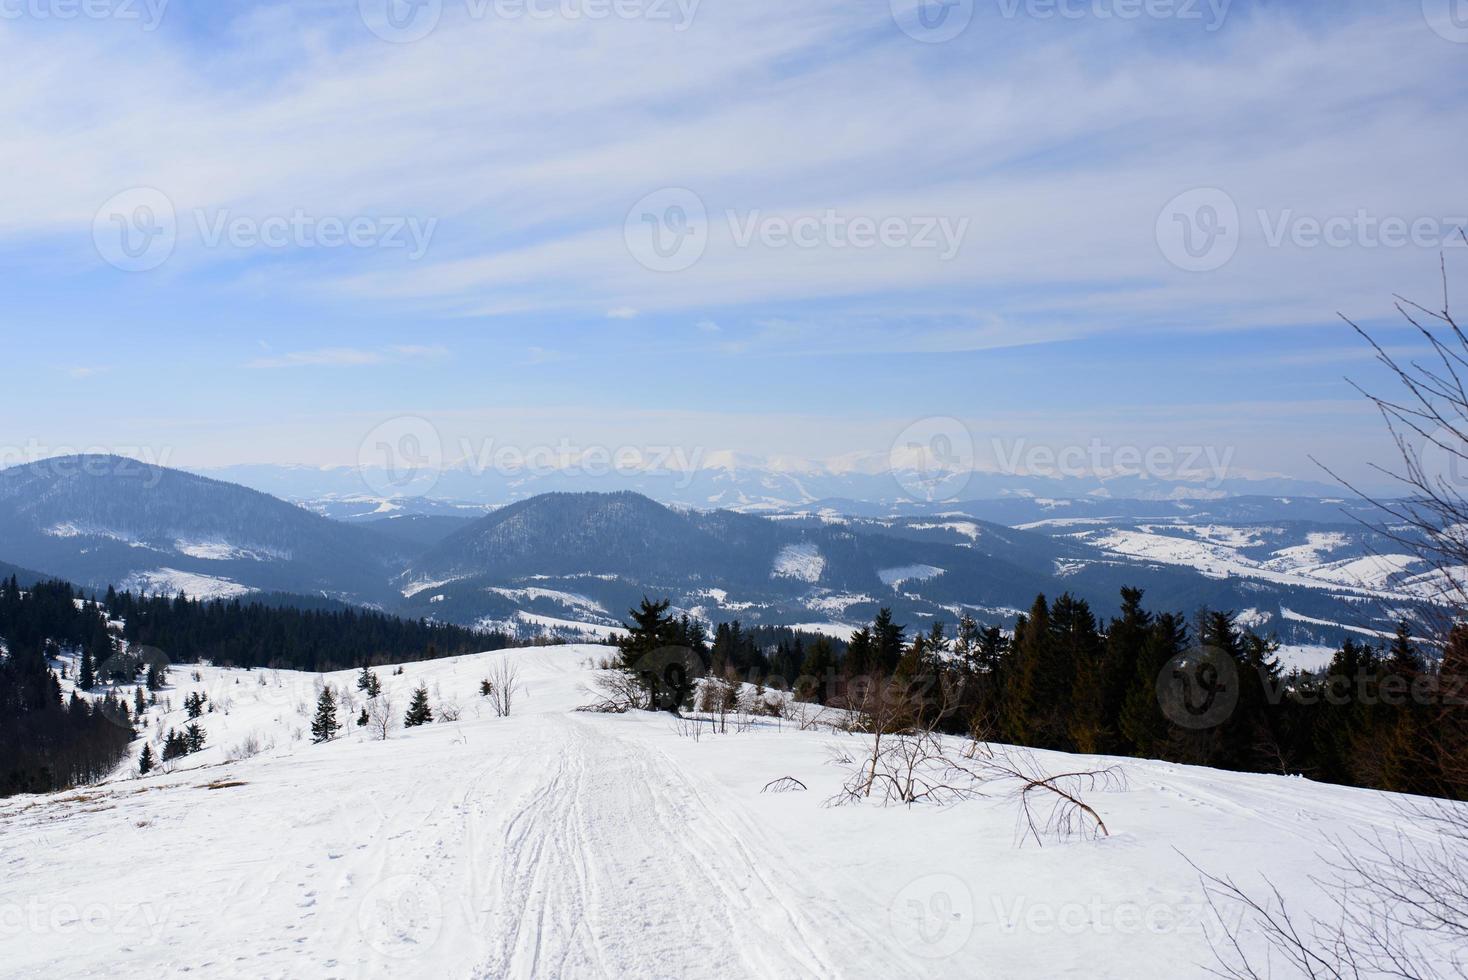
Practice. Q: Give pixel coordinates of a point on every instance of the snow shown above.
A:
(1302, 618)
(802, 562)
(570, 599)
(423, 585)
(171, 581)
(1304, 656)
(894, 577)
(560, 844)
(967, 529)
(215, 550)
(839, 631)
(1370, 576)
(70, 529)
(836, 603)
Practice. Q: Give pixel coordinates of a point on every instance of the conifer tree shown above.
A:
(1126, 640)
(817, 671)
(858, 662)
(419, 713)
(1143, 726)
(325, 726)
(87, 672)
(1021, 706)
(194, 738)
(145, 761)
(887, 642)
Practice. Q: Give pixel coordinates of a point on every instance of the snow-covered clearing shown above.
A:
(560, 844)
(172, 581)
(802, 562)
(894, 577)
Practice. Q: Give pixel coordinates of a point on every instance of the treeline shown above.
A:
(48, 743)
(1201, 691)
(233, 633)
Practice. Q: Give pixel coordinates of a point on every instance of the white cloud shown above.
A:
(622, 313)
(347, 356)
(788, 110)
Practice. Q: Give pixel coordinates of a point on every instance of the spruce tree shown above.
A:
(1143, 726)
(1021, 706)
(145, 761)
(87, 673)
(1126, 639)
(325, 726)
(194, 738)
(418, 711)
(817, 671)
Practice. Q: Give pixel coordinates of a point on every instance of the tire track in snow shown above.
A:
(614, 865)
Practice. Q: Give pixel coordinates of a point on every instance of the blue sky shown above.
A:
(499, 169)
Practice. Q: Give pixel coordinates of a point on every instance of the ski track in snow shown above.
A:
(560, 844)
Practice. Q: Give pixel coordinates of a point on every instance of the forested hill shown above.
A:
(235, 633)
(57, 641)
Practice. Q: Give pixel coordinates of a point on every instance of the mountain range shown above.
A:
(1306, 569)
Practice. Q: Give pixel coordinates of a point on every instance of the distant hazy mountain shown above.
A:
(587, 557)
(100, 520)
(571, 560)
(735, 482)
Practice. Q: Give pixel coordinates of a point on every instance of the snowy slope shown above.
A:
(561, 844)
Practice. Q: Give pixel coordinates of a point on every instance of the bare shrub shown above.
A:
(1401, 907)
(785, 784)
(250, 747)
(618, 692)
(381, 716)
(504, 681)
(446, 711)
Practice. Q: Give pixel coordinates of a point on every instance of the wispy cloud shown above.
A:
(81, 372)
(347, 356)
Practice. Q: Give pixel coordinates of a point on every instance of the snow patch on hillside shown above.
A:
(570, 599)
(217, 550)
(895, 577)
(968, 529)
(802, 562)
(172, 581)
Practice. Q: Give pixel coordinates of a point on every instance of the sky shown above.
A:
(247, 232)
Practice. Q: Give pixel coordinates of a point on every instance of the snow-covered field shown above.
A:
(561, 844)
